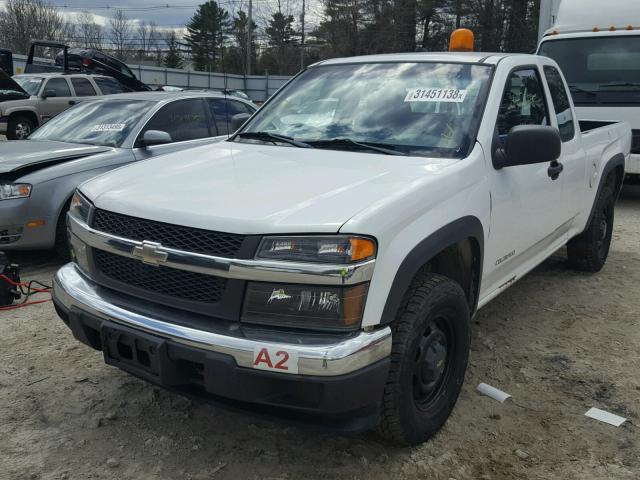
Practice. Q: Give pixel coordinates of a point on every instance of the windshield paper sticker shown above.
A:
(109, 127)
(436, 95)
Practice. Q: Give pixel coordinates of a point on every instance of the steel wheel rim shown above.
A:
(603, 232)
(432, 362)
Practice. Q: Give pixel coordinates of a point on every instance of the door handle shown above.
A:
(72, 102)
(554, 170)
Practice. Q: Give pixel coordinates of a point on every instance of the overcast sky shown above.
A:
(176, 13)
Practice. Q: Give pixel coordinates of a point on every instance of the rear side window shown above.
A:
(561, 103)
(183, 120)
(108, 86)
(83, 87)
(222, 111)
(523, 101)
(57, 87)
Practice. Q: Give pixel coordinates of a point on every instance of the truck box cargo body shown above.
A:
(598, 50)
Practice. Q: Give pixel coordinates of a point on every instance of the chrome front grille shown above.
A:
(189, 239)
(169, 282)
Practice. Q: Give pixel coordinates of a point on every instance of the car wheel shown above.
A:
(431, 340)
(20, 127)
(588, 251)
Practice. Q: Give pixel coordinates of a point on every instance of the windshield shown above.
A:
(603, 70)
(31, 85)
(105, 123)
(425, 109)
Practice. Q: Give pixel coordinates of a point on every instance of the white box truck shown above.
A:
(598, 49)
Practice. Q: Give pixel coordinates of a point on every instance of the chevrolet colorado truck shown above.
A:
(325, 262)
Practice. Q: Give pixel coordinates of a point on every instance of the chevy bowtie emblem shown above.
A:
(149, 253)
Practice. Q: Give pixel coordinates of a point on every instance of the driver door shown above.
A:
(186, 121)
(58, 98)
(526, 214)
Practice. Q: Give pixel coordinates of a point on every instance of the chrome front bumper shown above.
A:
(74, 291)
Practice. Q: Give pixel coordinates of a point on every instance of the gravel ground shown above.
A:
(560, 342)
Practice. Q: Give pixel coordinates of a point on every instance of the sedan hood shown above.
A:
(257, 189)
(21, 154)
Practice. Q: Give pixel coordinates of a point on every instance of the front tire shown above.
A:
(429, 357)
(588, 251)
(20, 127)
(62, 245)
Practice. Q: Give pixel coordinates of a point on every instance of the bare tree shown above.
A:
(23, 20)
(142, 39)
(89, 31)
(120, 34)
(155, 43)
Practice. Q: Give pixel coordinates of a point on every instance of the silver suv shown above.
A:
(27, 101)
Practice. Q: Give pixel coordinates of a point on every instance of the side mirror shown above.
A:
(49, 93)
(155, 137)
(526, 145)
(238, 120)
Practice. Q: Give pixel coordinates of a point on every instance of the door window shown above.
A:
(83, 87)
(222, 111)
(59, 86)
(561, 104)
(523, 101)
(183, 120)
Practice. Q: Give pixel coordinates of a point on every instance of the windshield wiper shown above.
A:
(620, 84)
(273, 137)
(577, 89)
(348, 142)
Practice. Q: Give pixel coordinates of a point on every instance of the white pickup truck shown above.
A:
(326, 262)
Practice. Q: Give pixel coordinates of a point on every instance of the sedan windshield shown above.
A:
(429, 109)
(599, 70)
(31, 85)
(103, 122)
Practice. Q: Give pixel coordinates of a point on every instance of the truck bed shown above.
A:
(589, 125)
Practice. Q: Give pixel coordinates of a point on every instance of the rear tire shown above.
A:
(20, 127)
(431, 340)
(588, 251)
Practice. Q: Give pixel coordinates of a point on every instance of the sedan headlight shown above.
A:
(80, 207)
(337, 249)
(14, 190)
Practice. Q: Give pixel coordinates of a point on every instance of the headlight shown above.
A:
(305, 306)
(80, 207)
(14, 190)
(338, 249)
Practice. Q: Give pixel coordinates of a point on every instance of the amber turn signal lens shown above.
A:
(354, 298)
(362, 248)
(35, 224)
(461, 40)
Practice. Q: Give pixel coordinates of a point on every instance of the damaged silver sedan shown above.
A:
(38, 176)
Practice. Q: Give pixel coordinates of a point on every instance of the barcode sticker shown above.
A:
(108, 127)
(435, 95)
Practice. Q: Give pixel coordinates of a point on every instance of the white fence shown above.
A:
(258, 87)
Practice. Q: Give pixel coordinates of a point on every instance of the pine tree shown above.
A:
(239, 29)
(207, 30)
(172, 59)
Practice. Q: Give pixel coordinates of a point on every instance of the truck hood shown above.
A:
(33, 154)
(257, 189)
(9, 88)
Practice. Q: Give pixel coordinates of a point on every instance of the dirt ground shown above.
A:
(560, 342)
